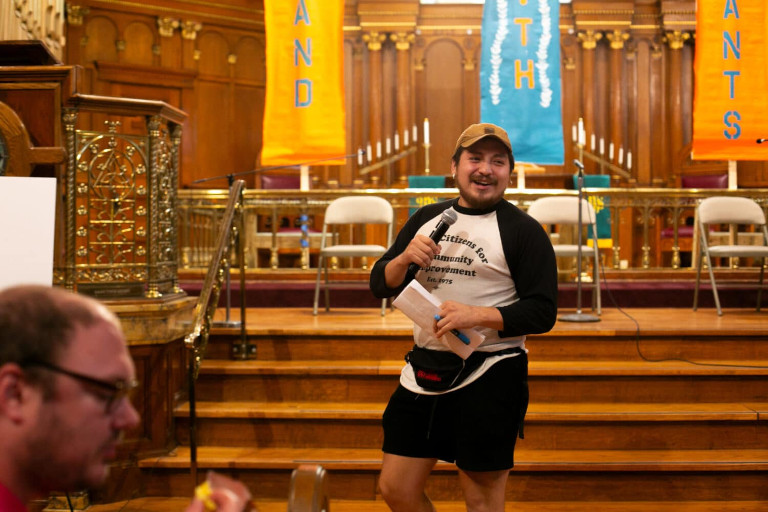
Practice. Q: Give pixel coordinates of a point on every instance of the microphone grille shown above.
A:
(449, 216)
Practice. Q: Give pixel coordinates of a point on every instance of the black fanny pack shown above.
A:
(441, 370)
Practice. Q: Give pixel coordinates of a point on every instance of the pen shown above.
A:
(463, 337)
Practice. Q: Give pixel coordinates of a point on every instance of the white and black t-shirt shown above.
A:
(499, 257)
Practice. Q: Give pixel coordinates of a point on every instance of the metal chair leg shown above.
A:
(320, 262)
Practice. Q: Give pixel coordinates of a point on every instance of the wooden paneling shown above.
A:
(444, 74)
(139, 40)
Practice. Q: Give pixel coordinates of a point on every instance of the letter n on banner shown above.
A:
(304, 106)
(520, 76)
(730, 106)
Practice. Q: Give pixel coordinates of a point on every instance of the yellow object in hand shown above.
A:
(203, 493)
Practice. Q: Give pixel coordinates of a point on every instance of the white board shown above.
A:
(27, 219)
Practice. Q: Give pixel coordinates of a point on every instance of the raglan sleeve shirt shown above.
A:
(500, 257)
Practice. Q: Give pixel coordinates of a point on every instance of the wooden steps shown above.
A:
(555, 381)
(671, 415)
(614, 426)
(539, 475)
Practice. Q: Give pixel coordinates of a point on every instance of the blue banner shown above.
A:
(520, 76)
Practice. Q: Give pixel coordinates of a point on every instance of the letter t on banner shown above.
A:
(304, 106)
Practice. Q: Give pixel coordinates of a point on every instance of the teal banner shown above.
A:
(520, 76)
(601, 204)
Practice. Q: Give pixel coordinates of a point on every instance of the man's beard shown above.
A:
(472, 199)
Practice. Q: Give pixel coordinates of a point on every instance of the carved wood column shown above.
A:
(675, 40)
(403, 117)
(471, 90)
(189, 32)
(419, 109)
(589, 39)
(615, 103)
(358, 136)
(76, 37)
(375, 97)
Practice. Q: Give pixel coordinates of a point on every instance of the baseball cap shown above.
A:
(479, 131)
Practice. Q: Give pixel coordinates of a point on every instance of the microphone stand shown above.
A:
(579, 316)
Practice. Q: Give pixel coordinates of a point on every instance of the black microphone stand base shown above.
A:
(579, 317)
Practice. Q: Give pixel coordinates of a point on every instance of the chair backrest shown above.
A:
(562, 210)
(730, 210)
(704, 181)
(359, 210)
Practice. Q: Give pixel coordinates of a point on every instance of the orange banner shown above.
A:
(304, 107)
(730, 108)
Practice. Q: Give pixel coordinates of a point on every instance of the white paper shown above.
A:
(27, 218)
(421, 306)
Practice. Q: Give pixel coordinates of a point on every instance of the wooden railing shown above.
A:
(637, 218)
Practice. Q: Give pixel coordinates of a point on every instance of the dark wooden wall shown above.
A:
(627, 70)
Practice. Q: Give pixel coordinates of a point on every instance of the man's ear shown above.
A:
(14, 391)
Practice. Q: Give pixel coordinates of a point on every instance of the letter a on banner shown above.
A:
(520, 76)
(730, 106)
(304, 107)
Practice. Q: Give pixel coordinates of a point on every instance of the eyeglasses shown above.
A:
(112, 392)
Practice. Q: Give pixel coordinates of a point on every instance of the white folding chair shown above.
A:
(352, 210)
(739, 212)
(564, 211)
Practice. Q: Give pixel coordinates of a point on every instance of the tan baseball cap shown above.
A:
(480, 131)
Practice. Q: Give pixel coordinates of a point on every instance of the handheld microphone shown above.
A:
(579, 165)
(446, 220)
(760, 141)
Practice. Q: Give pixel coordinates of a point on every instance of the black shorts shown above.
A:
(475, 426)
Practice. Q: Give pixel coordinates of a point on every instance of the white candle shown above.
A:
(397, 142)
(629, 160)
(592, 142)
(415, 134)
(304, 178)
(621, 155)
(610, 151)
(389, 145)
(582, 133)
(360, 157)
(602, 146)
(426, 131)
(378, 149)
(574, 133)
(368, 153)
(405, 138)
